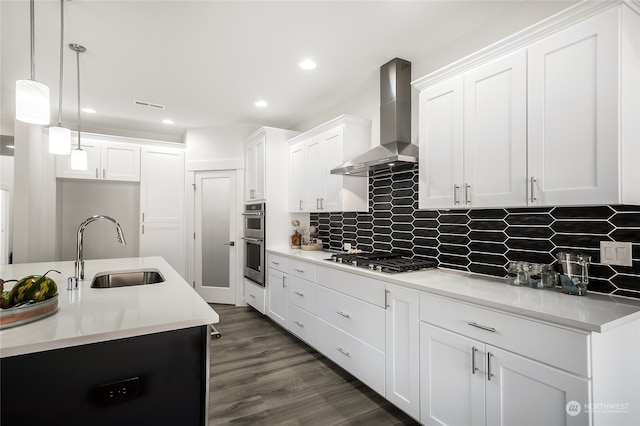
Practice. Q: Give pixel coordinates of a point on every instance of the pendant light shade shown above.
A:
(79, 159)
(32, 97)
(60, 137)
(59, 140)
(78, 155)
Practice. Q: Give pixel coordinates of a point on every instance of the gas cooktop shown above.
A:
(383, 262)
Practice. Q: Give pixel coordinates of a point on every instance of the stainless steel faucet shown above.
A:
(72, 282)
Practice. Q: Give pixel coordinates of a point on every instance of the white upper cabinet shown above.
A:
(473, 137)
(312, 187)
(255, 168)
(545, 117)
(105, 161)
(573, 114)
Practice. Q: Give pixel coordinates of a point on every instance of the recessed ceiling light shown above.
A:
(307, 64)
(89, 110)
(260, 104)
(167, 121)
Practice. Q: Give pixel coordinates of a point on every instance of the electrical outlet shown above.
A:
(116, 392)
(615, 253)
(347, 246)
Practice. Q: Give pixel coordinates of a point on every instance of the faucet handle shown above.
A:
(72, 283)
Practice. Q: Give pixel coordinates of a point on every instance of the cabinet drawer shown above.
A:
(302, 269)
(278, 262)
(565, 349)
(363, 288)
(360, 319)
(254, 296)
(302, 293)
(363, 361)
(302, 324)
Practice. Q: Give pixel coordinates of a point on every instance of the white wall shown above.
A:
(6, 184)
(34, 198)
(220, 143)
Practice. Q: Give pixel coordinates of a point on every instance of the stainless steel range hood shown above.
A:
(395, 124)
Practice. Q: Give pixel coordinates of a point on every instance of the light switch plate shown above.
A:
(615, 253)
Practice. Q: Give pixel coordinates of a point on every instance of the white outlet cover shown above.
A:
(615, 253)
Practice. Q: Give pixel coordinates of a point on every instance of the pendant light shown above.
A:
(60, 137)
(78, 155)
(32, 97)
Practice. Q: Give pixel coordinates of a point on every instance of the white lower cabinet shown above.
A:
(302, 323)
(363, 361)
(254, 295)
(277, 296)
(402, 349)
(467, 380)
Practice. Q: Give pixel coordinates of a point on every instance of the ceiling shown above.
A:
(207, 62)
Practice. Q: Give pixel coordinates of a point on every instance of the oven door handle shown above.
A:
(253, 240)
(253, 213)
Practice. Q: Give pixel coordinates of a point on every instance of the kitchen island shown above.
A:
(127, 355)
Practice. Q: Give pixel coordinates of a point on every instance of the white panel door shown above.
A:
(298, 178)
(215, 233)
(314, 160)
(402, 350)
(573, 114)
(527, 393)
(441, 145)
(120, 162)
(277, 296)
(495, 133)
(162, 205)
(63, 162)
(452, 379)
(332, 142)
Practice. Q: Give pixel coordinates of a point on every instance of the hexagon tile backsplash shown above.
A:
(484, 240)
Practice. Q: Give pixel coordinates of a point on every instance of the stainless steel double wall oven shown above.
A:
(254, 244)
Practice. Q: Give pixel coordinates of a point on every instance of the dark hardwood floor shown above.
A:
(262, 375)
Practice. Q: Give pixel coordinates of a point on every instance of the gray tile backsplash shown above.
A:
(484, 240)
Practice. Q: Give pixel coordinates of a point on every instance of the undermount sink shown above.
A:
(127, 278)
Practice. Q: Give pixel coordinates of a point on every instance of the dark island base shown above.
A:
(158, 379)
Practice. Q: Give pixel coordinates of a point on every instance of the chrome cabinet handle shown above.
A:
(473, 360)
(456, 188)
(97, 175)
(533, 190)
(489, 373)
(274, 262)
(284, 285)
(252, 295)
(343, 314)
(321, 203)
(299, 270)
(482, 327)
(299, 294)
(317, 203)
(386, 298)
(343, 352)
(467, 193)
(298, 324)
(104, 173)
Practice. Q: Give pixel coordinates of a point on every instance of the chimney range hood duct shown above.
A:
(395, 124)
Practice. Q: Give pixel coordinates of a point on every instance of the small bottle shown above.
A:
(535, 275)
(523, 273)
(512, 273)
(549, 277)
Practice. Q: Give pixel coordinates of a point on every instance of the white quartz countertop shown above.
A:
(90, 315)
(593, 312)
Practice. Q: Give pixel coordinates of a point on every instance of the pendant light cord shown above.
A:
(32, 9)
(78, 71)
(61, 57)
